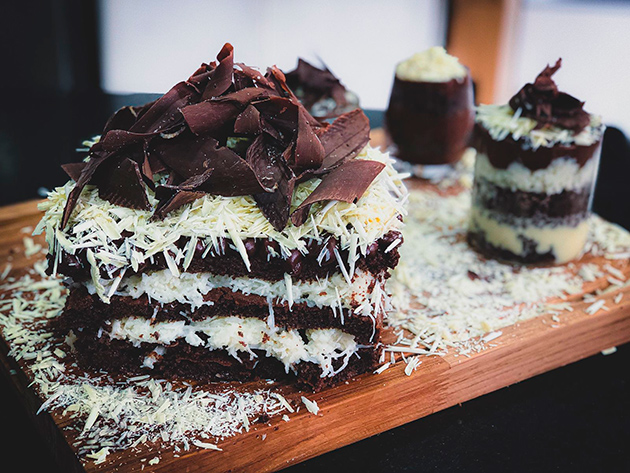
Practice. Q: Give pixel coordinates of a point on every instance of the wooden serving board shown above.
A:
(371, 404)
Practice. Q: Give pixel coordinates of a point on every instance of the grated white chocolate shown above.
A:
(240, 336)
(431, 65)
(561, 174)
(449, 309)
(96, 224)
(501, 121)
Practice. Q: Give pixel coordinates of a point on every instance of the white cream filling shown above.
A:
(240, 336)
(563, 241)
(501, 121)
(561, 174)
(364, 296)
(431, 65)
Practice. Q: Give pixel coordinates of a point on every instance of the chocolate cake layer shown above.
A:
(430, 122)
(197, 363)
(504, 152)
(535, 205)
(88, 313)
(263, 257)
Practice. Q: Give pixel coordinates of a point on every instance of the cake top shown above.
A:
(540, 115)
(227, 130)
(431, 65)
(320, 91)
(178, 172)
(119, 239)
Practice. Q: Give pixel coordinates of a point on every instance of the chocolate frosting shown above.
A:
(543, 102)
(227, 130)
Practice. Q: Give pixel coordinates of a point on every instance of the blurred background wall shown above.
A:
(593, 39)
(149, 45)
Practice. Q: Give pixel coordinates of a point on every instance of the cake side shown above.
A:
(276, 268)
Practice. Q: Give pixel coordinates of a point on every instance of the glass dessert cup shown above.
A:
(531, 206)
(430, 123)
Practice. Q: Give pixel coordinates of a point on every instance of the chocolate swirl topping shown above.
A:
(544, 103)
(227, 130)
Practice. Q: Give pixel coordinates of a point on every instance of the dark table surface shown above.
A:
(576, 418)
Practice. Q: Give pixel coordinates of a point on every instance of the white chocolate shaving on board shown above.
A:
(311, 406)
(116, 415)
(446, 295)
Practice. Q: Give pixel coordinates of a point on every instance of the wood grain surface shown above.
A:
(371, 404)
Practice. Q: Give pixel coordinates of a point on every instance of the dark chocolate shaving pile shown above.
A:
(228, 130)
(312, 85)
(543, 102)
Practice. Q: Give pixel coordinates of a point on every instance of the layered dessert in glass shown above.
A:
(430, 115)
(222, 233)
(535, 172)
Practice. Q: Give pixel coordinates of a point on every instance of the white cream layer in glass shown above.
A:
(501, 121)
(561, 174)
(564, 241)
(431, 65)
(240, 336)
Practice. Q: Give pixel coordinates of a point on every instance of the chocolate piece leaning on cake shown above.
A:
(222, 233)
(535, 172)
(430, 115)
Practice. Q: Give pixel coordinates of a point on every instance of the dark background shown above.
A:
(576, 418)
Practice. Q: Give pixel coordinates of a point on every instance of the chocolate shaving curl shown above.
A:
(543, 102)
(172, 196)
(345, 138)
(346, 183)
(74, 170)
(120, 182)
(227, 130)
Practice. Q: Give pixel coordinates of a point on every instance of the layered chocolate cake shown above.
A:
(430, 115)
(320, 91)
(222, 233)
(536, 165)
